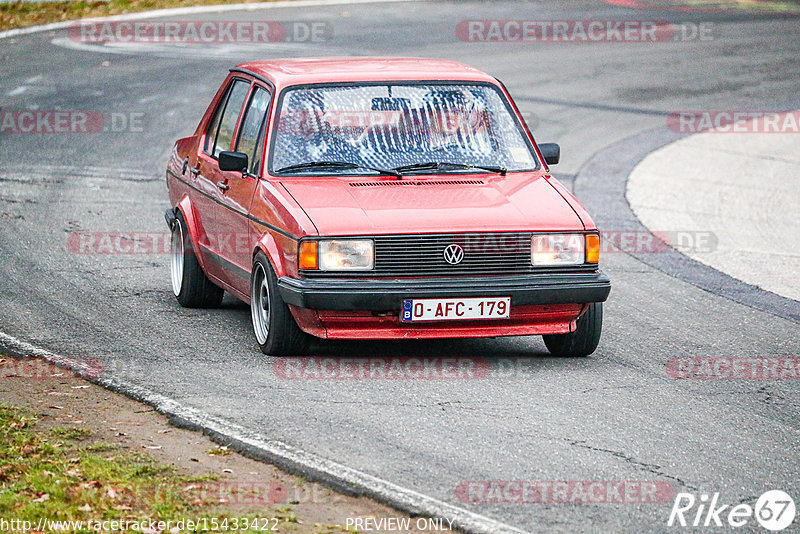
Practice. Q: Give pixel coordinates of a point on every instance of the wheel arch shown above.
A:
(266, 244)
(187, 209)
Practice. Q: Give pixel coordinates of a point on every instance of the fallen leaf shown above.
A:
(164, 431)
(56, 407)
(227, 470)
(80, 387)
(85, 508)
(41, 497)
(91, 484)
(152, 447)
(74, 460)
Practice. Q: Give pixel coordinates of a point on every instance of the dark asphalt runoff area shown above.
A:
(614, 416)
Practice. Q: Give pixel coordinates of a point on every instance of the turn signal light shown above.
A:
(309, 255)
(592, 248)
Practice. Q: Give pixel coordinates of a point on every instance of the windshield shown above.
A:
(386, 126)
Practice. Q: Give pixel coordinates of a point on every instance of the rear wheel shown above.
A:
(583, 341)
(189, 283)
(276, 331)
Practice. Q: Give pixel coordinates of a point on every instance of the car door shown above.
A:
(210, 181)
(239, 189)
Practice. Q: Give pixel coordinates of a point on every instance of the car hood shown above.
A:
(456, 203)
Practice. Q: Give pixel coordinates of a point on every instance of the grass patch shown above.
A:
(70, 433)
(22, 14)
(60, 474)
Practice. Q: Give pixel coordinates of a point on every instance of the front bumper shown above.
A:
(384, 295)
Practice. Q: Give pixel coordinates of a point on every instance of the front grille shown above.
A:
(424, 255)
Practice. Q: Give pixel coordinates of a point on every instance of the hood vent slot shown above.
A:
(396, 183)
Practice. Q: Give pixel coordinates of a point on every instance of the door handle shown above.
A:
(223, 186)
(194, 170)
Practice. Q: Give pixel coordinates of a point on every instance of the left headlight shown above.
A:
(558, 249)
(346, 255)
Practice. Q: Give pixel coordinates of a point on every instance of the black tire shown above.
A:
(276, 331)
(583, 341)
(189, 283)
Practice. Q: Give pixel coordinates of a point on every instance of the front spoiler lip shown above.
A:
(387, 295)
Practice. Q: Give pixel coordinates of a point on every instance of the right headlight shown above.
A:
(556, 250)
(337, 255)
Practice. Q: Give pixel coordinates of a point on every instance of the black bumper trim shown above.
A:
(387, 295)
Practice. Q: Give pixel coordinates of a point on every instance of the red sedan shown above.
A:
(380, 198)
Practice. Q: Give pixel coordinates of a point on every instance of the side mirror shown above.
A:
(551, 153)
(233, 161)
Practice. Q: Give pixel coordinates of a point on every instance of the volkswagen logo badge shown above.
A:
(453, 254)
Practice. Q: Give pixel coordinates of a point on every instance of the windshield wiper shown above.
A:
(436, 165)
(338, 165)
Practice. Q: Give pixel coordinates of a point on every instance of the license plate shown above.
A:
(455, 309)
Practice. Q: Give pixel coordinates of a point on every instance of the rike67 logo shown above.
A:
(774, 510)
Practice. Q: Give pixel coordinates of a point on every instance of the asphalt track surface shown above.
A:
(614, 416)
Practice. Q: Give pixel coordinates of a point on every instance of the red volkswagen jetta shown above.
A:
(380, 198)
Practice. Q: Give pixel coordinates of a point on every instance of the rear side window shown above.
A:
(251, 133)
(220, 130)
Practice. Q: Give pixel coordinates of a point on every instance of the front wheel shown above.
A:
(276, 332)
(583, 341)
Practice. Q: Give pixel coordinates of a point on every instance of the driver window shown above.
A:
(221, 127)
(250, 140)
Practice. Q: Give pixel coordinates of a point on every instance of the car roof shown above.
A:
(294, 71)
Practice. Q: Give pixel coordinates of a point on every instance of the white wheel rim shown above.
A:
(176, 262)
(259, 303)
